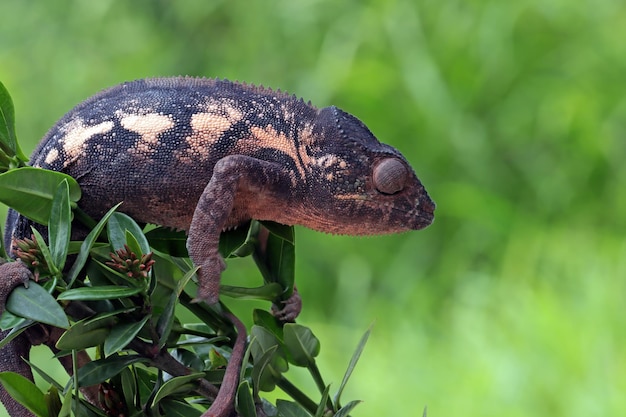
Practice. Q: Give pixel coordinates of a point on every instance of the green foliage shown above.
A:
(26, 392)
(512, 114)
(133, 317)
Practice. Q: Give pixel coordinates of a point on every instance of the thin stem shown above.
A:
(319, 381)
(297, 395)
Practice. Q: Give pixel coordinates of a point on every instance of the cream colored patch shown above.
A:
(207, 127)
(210, 123)
(77, 134)
(149, 126)
(52, 156)
(268, 137)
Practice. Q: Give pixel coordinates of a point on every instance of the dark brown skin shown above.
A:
(203, 155)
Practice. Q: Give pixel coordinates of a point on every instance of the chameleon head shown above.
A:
(357, 185)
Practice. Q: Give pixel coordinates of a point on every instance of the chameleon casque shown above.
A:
(204, 155)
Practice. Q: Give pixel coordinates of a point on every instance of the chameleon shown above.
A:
(204, 155)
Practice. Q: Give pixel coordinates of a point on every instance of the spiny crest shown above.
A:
(354, 130)
(261, 89)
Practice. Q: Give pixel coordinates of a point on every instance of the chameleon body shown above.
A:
(204, 155)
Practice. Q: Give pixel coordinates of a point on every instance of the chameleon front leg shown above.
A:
(13, 274)
(240, 188)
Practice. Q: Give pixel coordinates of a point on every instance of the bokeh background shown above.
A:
(513, 114)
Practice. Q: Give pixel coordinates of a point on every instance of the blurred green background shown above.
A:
(513, 115)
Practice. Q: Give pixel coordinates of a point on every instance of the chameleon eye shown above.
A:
(390, 176)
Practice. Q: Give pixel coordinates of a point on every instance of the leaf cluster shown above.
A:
(119, 292)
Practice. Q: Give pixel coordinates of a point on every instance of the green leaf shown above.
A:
(269, 360)
(17, 329)
(268, 292)
(45, 252)
(129, 388)
(100, 370)
(345, 410)
(264, 375)
(59, 226)
(37, 304)
(244, 403)
(277, 261)
(353, 361)
(118, 226)
(133, 243)
(290, 409)
(44, 375)
(104, 292)
(66, 409)
(85, 333)
(282, 231)
(173, 242)
(177, 385)
(301, 343)
(121, 335)
(173, 408)
(8, 137)
(321, 408)
(189, 359)
(86, 246)
(166, 319)
(25, 392)
(53, 402)
(30, 191)
(266, 320)
(239, 242)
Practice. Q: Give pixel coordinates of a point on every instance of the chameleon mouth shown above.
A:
(426, 212)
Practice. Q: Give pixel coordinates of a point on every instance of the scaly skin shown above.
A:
(203, 155)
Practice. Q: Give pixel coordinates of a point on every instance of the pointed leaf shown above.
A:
(244, 403)
(166, 319)
(177, 385)
(277, 262)
(353, 361)
(345, 410)
(173, 408)
(321, 408)
(121, 335)
(25, 392)
(59, 226)
(86, 246)
(100, 370)
(44, 375)
(66, 409)
(119, 224)
(267, 292)
(104, 292)
(129, 388)
(269, 359)
(30, 191)
(45, 252)
(17, 329)
(8, 138)
(53, 402)
(263, 377)
(266, 320)
(172, 242)
(281, 230)
(291, 409)
(37, 304)
(301, 344)
(85, 333)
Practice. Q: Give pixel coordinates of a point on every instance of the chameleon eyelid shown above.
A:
(390, 176)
